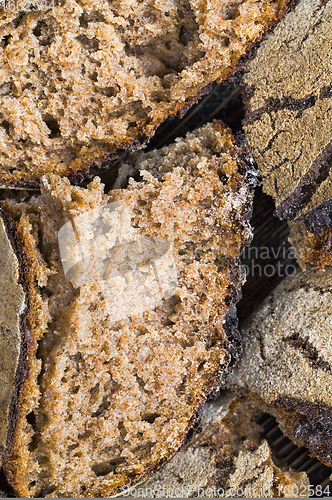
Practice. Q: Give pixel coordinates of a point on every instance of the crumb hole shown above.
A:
(222, 176)
(6, 125)
(52, 125)
(91, 17)
(185, 35)
(91, 44)
(150, 417)
(31, 418)
(109, 91)
(122, 429)
(231, 12)
(105, 468)
(94, 76)
(104, 405)
(72, 447)
(6, 40)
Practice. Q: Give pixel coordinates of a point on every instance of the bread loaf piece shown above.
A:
(81, 82)
(113, 374)
(226, 459)
(288, 125)
(286, 364)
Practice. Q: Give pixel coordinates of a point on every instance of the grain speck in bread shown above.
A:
(226, 459)
(86, 80)
(286, 363)
(103, 402)
(288, 125)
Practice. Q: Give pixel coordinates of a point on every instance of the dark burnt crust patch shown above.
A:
(280, 103)
(318, 219)
(308, 424)
(310, 182)
(309, 351)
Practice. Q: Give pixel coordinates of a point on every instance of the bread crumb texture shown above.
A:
(106, 402)
(288, 125)
(83, 81)
(226, 459)
(286, 366)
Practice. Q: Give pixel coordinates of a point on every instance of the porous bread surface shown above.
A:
(286, 364)
(111, 400)
(288, 125)
(85, 80)
(226, 459)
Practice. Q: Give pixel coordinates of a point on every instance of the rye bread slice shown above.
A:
(82, 82)
(102, 400)
(226, 459)
(288, 125)
(286, 363)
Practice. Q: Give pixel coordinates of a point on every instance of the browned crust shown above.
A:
(26, 280)
(306, 424)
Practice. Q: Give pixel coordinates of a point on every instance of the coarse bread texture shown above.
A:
(83, 81)
(286, 364)
(288, 125)
(226, 459)
(104, 400)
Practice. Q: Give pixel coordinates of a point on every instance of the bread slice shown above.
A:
(227, 459)
(286, 365)
(288, 125)
(106, 391)
(82, 82)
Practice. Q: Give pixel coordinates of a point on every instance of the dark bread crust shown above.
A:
(276, 126)
(307, 424)
(26, 280)
(286, 367)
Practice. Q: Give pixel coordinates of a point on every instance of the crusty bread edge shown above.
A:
(26, 280)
